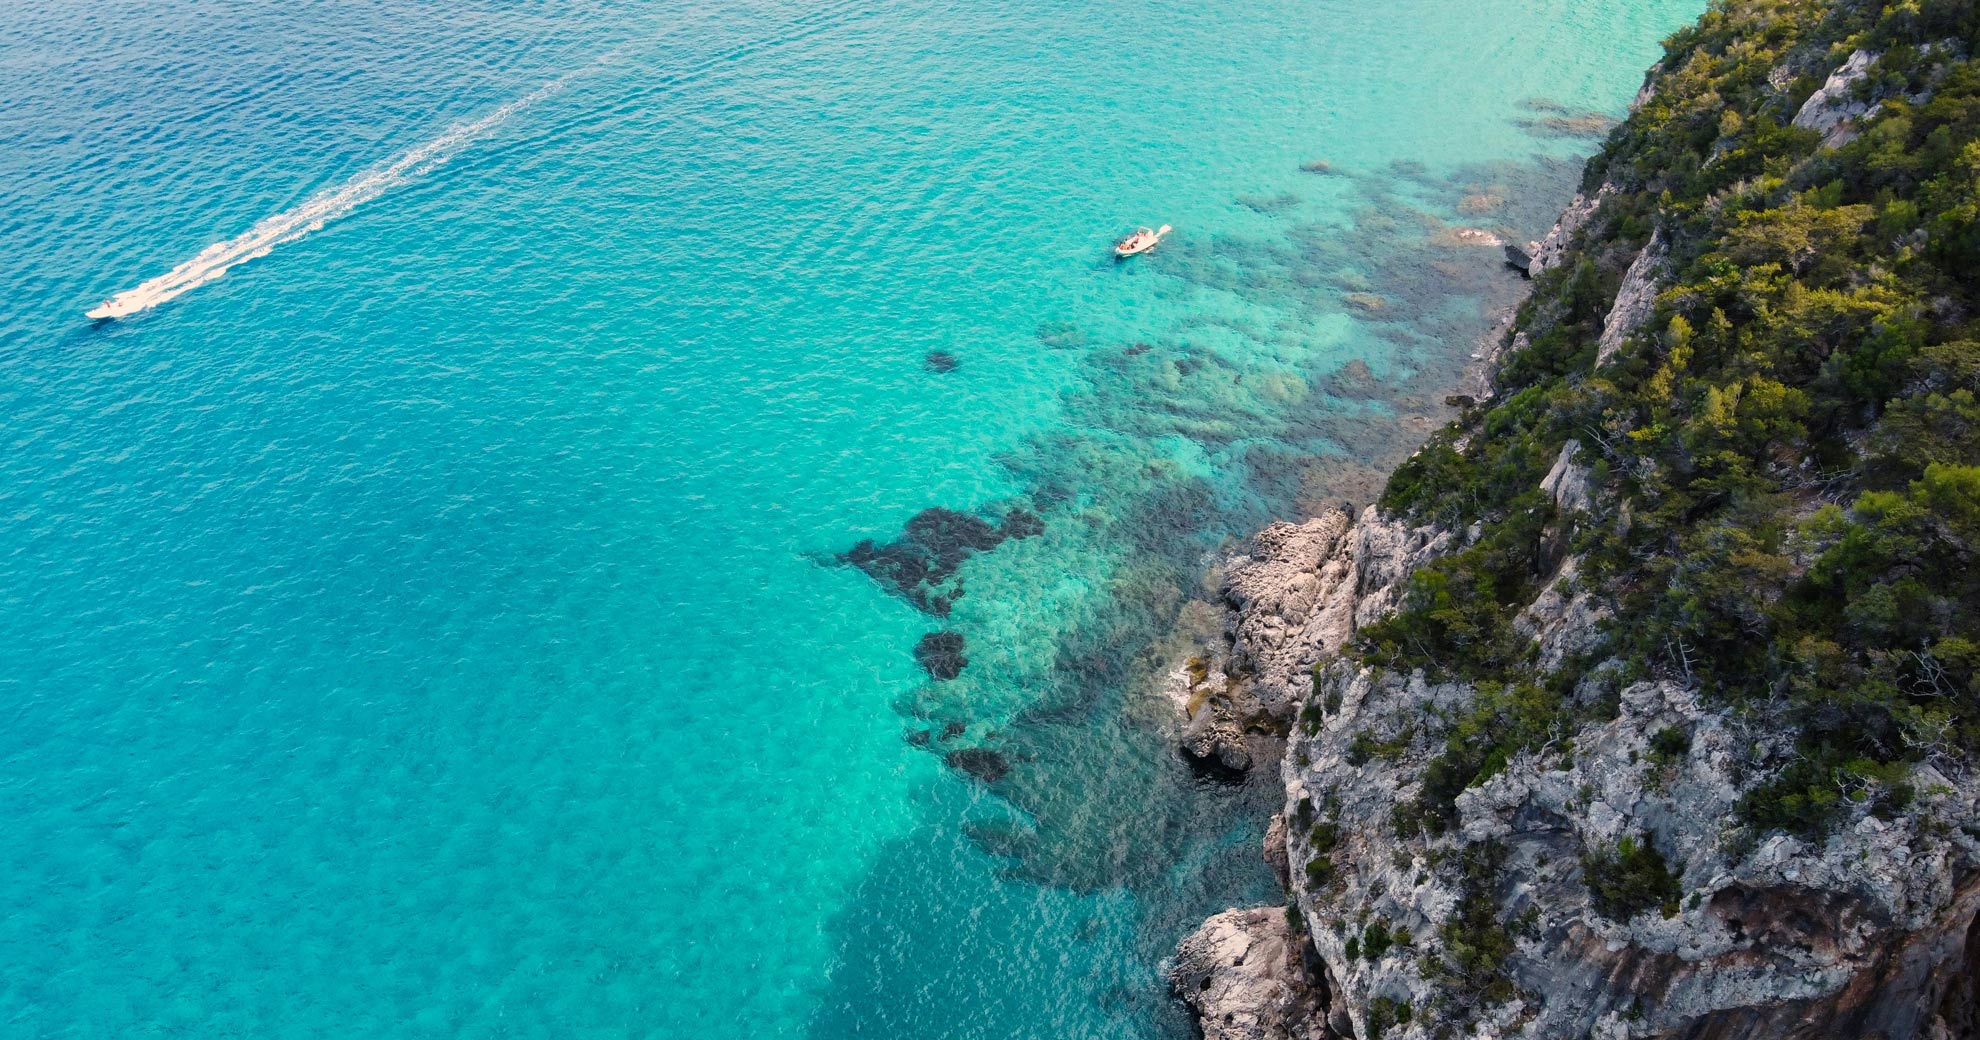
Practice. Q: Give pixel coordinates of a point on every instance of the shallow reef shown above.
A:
(1196, 431)
(920, 566)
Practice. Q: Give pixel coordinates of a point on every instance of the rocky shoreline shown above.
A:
(1592, 887)
(1868, 934)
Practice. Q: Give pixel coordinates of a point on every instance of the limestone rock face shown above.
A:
(1276, 856)
(1645, 92)
(1386, 553)
(1863, 934)
(1635, 299)
(1214, 738)
(1520, 257)
(1869, 931)
(1554, 246)
(1291, 599)
(1831, 110)
(1567, 482)
(1244, 975)
(1563, 620)
(1502, 908)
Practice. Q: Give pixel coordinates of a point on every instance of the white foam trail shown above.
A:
(289, 225)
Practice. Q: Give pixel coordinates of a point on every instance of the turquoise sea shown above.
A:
(440, 625)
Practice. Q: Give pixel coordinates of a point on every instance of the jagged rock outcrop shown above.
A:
(1291, 601)
(1512, 813)
(1555, 246)
(1276, 855)
(1645, 92)
(1861, 934)
(1596, 884)
(1636, 299)
(1568, 482)
(1833, 110)
(1520, 257)
(1244, 974)
(1214, 737)
(1293, 598)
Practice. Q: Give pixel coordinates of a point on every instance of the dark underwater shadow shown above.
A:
(1074, 847)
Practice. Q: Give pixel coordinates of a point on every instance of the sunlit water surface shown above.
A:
(435, 627)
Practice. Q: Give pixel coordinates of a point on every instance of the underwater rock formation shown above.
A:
(941, 654)
(982, 763)
(920, 566)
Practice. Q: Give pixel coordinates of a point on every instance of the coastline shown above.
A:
(1501, 918)
(1292, 596)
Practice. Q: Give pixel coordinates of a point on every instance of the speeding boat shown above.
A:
(1140, 242)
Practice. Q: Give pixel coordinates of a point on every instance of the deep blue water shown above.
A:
(434, 626)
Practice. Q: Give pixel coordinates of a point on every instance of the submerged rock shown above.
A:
(1270, 205)
(941, 653)
(1471, 236)
(941, 362)
(1060, 335)
(1366, 302)
(1022, 523)
(1354, 380)
(920, 566)
(982, 763)
(1481, 203)
(1580, 124)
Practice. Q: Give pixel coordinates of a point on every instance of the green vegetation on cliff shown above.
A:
(1785, 456)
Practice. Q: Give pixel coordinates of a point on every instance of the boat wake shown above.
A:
(289, 225)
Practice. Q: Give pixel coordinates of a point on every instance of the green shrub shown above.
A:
(1384, 1013)
(1669, 744)
(1816, 340)
(1476, 943)
(1630, 879)
(1366, 745)
(1375, 940)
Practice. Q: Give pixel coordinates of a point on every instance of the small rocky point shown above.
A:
(1245, 976)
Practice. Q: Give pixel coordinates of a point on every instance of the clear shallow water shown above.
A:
(432, 628)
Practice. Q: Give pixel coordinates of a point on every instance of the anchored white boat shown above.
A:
(1140, 242)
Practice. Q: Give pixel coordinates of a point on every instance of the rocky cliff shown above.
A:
(1587, 734)
(1527, 913)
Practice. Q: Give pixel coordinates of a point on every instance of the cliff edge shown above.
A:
(1647, 701)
